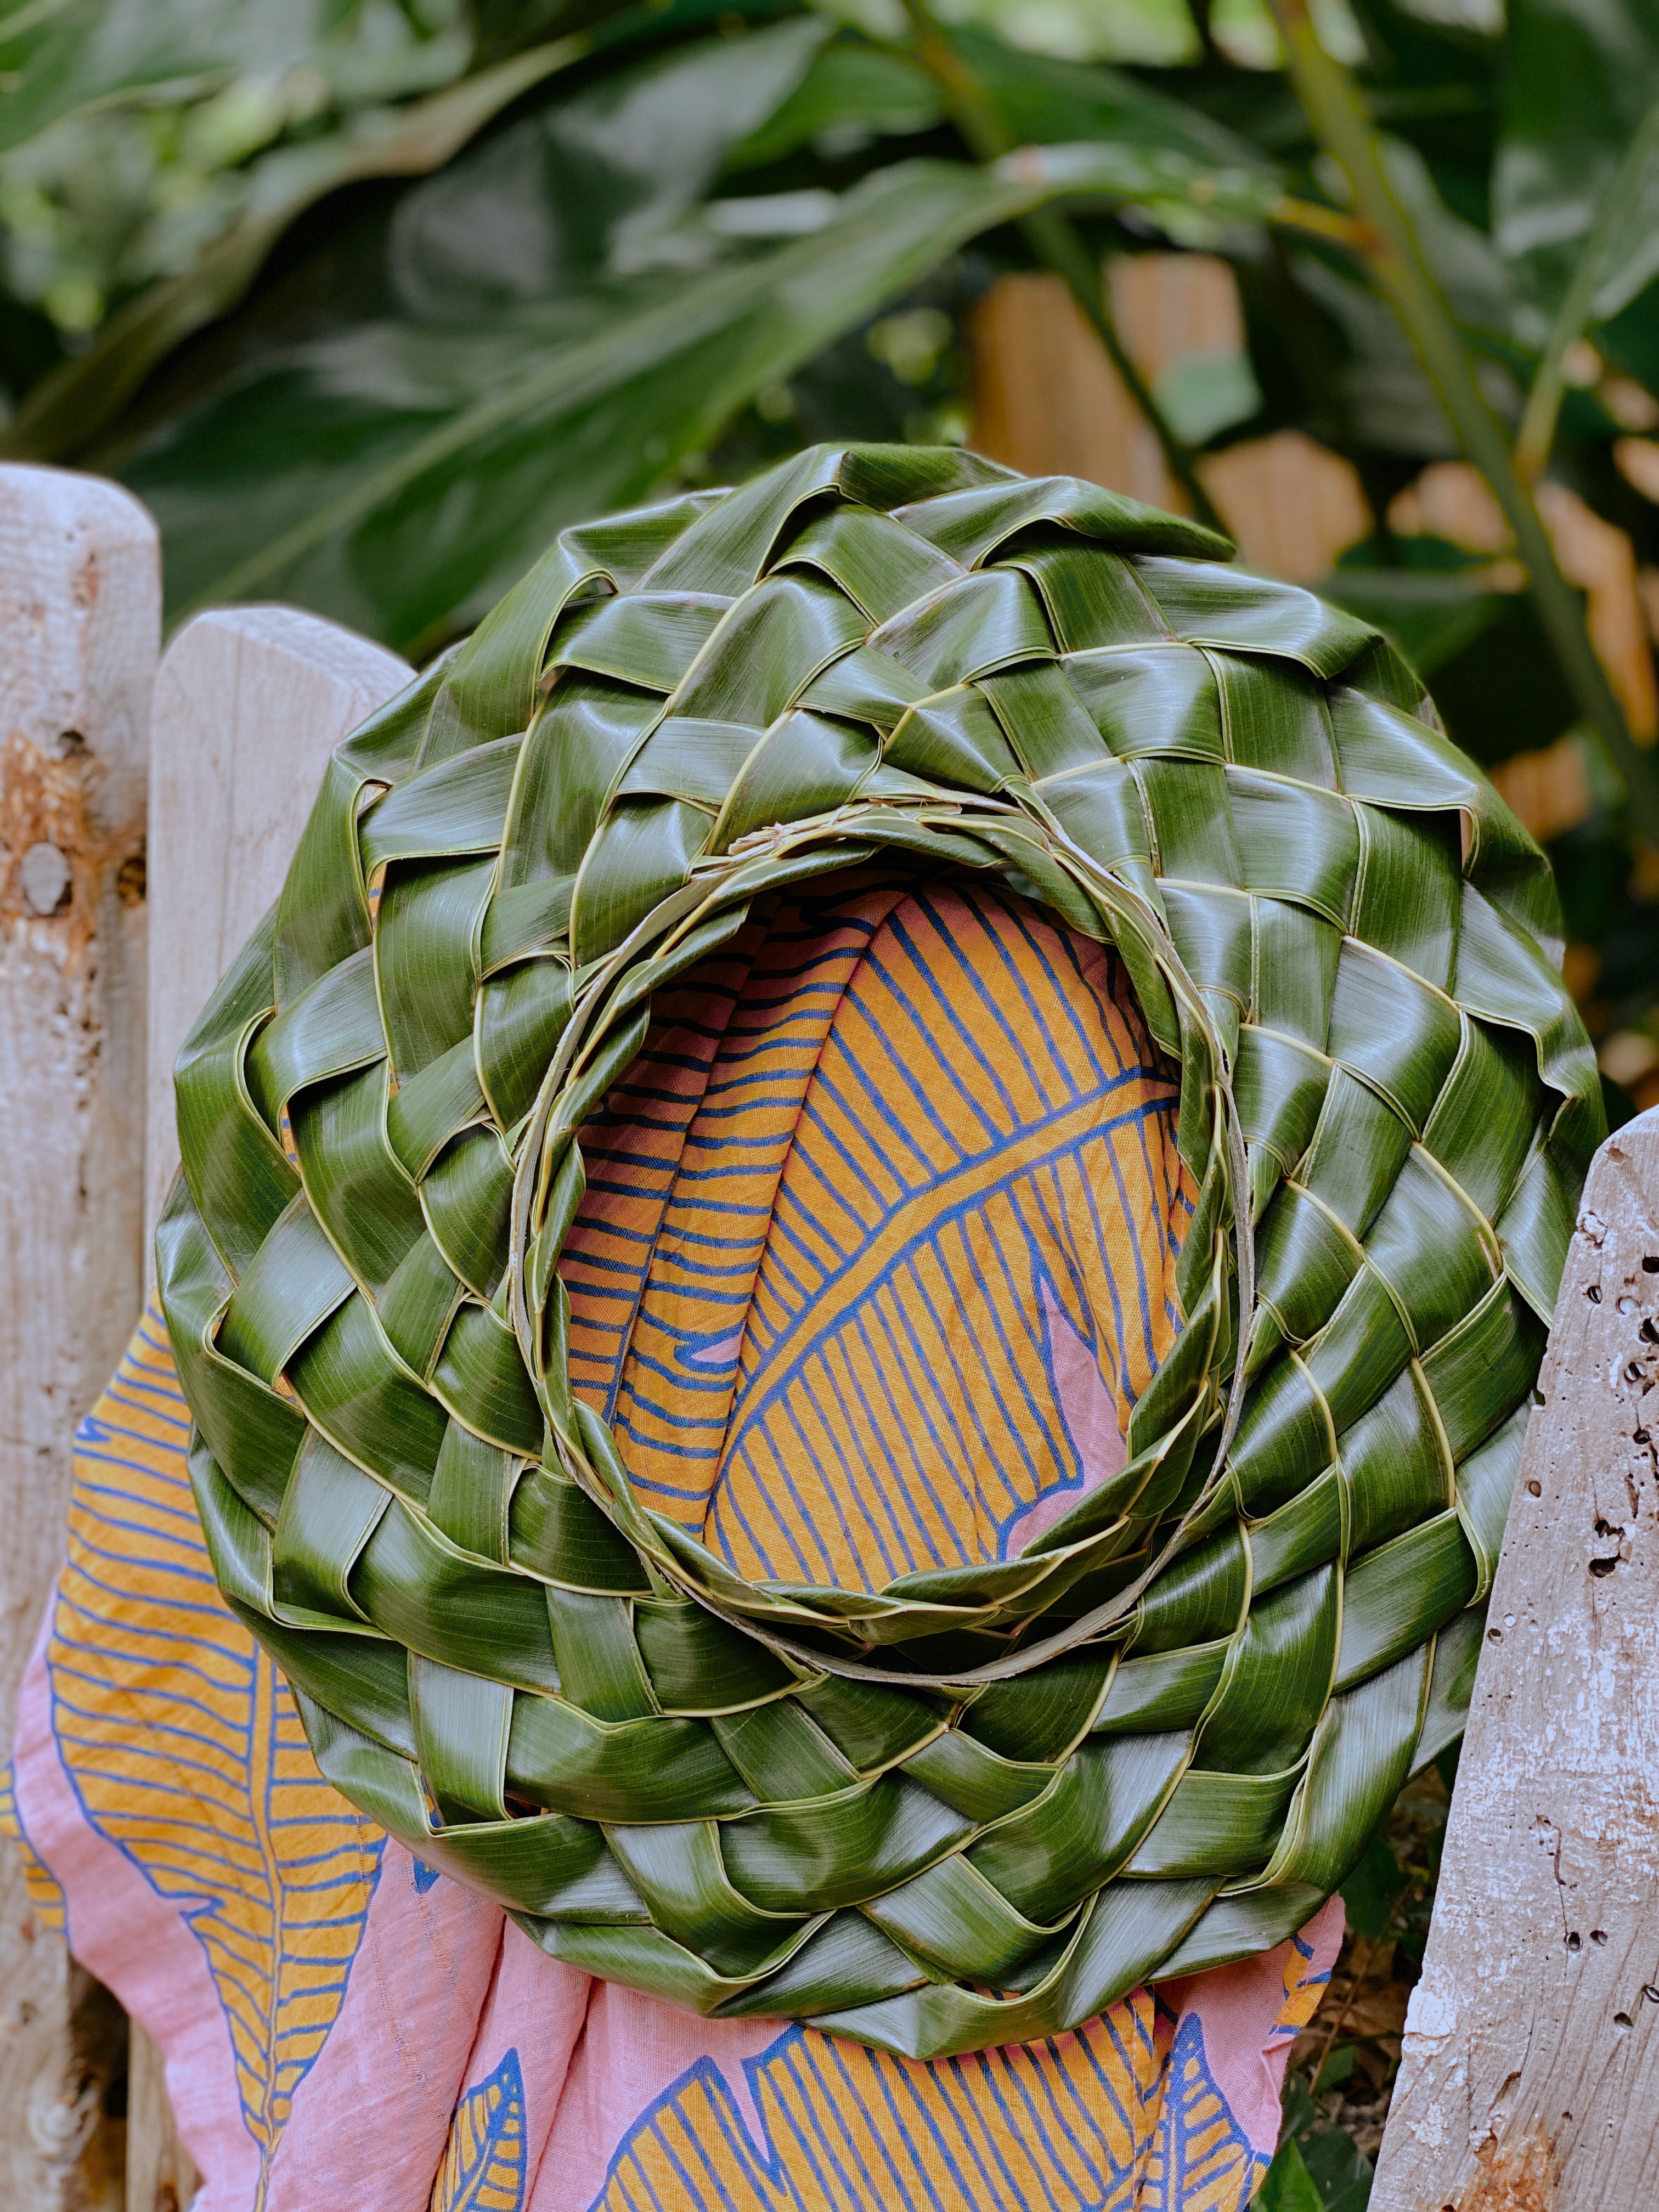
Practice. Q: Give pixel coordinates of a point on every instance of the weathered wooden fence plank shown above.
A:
(1530, 2076)
(249, 703)
(79, 620)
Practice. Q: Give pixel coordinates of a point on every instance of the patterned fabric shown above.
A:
(483, 2167)
(875, 1248)
(872, 1266)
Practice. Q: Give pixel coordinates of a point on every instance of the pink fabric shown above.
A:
(344, 2027)
(450, 2064)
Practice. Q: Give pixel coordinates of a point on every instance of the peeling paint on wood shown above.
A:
(1519, 2176)
(80, 601)
(49, 797)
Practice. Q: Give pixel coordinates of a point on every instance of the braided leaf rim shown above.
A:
(1402, 1674)
(606, 1031)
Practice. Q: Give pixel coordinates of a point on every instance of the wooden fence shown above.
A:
(80, 623)
(1527, 2081)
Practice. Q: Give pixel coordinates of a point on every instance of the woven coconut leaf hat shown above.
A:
(977, 1804)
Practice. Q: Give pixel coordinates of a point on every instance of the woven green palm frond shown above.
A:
(1159, 1736)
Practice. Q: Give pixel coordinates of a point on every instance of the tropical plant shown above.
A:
(368, 300)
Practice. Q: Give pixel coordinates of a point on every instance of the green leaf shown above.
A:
(594, 184)
(1203, 392)
(1614, 261)
(1484, 18)
(1478, 285)
(1153, 175)
(1624, 244)
(851, 92)
(58, 57)
(1340, 2172)
(1288, 2186)
(1372, 1890)
(1045, 101)
(1579, 84)
(400, 476)
(1386, 398)
(1337, 2069)
(69, 408)
(1298, 2109)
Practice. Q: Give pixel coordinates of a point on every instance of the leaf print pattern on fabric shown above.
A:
(46, 1896)
(850, 1319)
(184, 1748)
(734, 2114)
(483, 2166)
(1065, 2123)
(1200, 2160)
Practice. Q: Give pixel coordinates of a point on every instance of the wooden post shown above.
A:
(79, 620)
(249, 703)
(1529, 2081)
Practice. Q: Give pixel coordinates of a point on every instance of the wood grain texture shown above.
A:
(80, 623)
(160, 2174)
(1291, 505)
(249, 703)
(1530, 2076)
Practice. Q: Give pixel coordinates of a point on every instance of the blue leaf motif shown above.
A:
(184, 1748)
(483, 2162)
(44, 1894)
(1075, 2123)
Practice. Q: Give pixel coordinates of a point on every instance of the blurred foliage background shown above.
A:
(367, 298)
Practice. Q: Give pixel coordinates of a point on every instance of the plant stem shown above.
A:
(1537, 432)
(1059, 242)
(1398, 269)
(1056, 241)
(1200, 12)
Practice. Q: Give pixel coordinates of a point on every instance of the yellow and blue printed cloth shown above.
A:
(875, 1259)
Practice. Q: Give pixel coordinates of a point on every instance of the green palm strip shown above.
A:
(1155, 1739)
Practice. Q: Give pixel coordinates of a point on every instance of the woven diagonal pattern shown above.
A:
(976, 1803)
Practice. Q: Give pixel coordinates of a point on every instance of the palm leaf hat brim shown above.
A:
(1159, 1735)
